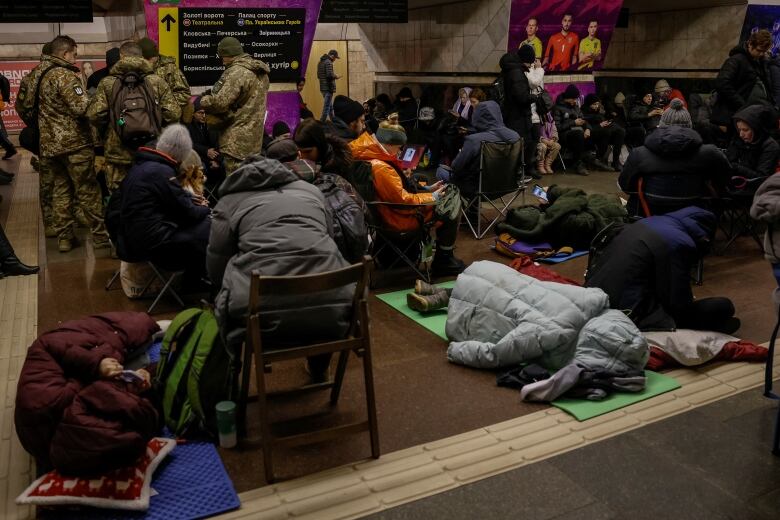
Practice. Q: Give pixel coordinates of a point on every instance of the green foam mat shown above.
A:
(435, 321)
(582, 409)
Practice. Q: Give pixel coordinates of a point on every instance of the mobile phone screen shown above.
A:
(539, 192)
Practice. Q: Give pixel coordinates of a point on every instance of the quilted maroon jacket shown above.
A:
(68, 418)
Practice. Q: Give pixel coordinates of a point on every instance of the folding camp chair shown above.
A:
(168, 285)
(501, 174)
(735, 221)
(768, 386)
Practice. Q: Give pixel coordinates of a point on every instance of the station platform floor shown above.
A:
(454, 445)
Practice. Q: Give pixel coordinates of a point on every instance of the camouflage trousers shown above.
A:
(74, 183)
(231, 164)
(46, 186)
(115, 174)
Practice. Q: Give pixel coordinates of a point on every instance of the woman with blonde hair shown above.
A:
(394, 184)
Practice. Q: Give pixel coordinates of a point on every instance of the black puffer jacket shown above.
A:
(325, 74)
(735, 82)
(271, 221)
(517, 93)
(565, 114)
(673, 163)
(757, 160)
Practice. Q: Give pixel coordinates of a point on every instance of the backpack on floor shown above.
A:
(599, 244)
(134, 113)
(193, 374)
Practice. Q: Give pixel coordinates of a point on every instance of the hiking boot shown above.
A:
(81, 219)
(580, 169)
(424, 288)
(49, 232)
(446, 264)
(66, 244)
(431, 302)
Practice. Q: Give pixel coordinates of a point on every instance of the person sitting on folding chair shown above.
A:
(766, 208)
(205, 141)
(270, 220)
(464, 172)
(394, 185)
(753, 153)
(159, 221)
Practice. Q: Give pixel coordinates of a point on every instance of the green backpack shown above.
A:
(193, 374)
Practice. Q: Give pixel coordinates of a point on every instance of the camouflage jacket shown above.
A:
(62, 114)
(166, 68)
(100, 105)
(237, 101)
(25, 99)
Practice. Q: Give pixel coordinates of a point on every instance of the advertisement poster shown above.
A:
(762, 17)
(14, 71)
(570, 36)
(280, 32)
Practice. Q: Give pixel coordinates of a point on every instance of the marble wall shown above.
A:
(698, 39)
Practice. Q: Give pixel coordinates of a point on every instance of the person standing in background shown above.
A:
(560, 53)
(532, 39)
(166, 68)
(590, 47)
(327, 78)
(5, 92)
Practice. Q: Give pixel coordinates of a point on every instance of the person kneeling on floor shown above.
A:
(393, 184)
(646, 272)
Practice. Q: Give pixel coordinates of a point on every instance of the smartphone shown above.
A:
(131, 376)
(539, 193)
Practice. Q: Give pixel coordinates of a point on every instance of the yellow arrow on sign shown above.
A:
(168, 29)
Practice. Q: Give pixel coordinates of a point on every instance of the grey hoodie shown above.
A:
(269, 220)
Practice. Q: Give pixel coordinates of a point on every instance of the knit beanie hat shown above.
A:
(175, 141)
(280, 128)
(526, 54)
(229, 46)
(283, 149)
(590, 99)
(148, 48)
(662, 85)
(676, 115)
(571, 92)
(346, 109)
(390, 132)
(620, 98)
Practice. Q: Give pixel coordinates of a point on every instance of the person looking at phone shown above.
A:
(646, 113)
(393, 184)
(603, 133)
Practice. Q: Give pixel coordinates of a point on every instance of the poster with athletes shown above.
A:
(14, 71)
(568, 36)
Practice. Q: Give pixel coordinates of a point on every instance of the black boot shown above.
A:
(446, 264)
(9, 264)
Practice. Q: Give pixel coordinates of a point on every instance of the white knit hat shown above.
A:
(175, 141)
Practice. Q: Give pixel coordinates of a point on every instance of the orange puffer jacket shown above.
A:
(388, 184)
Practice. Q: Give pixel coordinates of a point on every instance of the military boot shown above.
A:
(66, 244)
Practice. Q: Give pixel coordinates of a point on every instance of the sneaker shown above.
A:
(66, 244)
(581, 170)
(424, 288)
(428, 303)
(446, 264)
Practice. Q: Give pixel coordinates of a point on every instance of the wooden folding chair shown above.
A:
(358, 341)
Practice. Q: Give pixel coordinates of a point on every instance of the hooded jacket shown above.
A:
(518, 97)
(673, 163)
(766, 208)
(490, 128)
(565, 115)
(735, 82)
(66, 416)
(100, 105)
(269, 220)
(757, 160)
(153, 205)
(389, 185)
(646, 269)
(237, 106)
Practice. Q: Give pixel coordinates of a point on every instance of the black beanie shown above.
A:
(280, 128)
(347, 109)
(405, 92)
(590, 99)
(571, 92)
(526, 53)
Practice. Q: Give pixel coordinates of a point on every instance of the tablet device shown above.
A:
(410, 155)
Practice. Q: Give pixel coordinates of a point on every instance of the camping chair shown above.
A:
(501, 174)
(167, 285)
(735, 220)
(358, 341)
(768, 386)
(392, 248)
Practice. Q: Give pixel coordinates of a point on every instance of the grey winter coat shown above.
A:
(498, 317)
(268, 220)
(766, 208)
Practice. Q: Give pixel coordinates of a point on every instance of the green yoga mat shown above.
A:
(580, 409)
(435, 321)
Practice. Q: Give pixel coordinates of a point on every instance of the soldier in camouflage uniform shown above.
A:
(237, 102)
(25, 100)
(66, 146)
(119, 157)
(166, 68)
